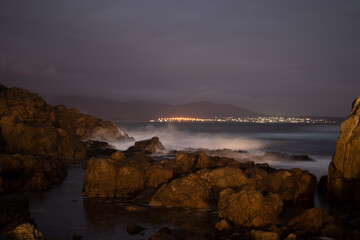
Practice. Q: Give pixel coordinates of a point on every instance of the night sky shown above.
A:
(279, 57)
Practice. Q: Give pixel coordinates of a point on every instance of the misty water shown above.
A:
(62, 212)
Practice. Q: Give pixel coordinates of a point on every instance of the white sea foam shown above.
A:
(175, 139)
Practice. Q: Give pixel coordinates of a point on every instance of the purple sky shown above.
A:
(278, 57)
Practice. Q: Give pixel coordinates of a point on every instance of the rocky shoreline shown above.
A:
(38, 142)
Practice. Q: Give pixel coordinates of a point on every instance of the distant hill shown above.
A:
(145, 111)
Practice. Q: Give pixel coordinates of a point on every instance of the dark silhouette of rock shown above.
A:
(315, 222)
(249, 207)
(14, 211)
(344, 170)
(152, 145)
(280, 156)
(30, 173)
(134, 229)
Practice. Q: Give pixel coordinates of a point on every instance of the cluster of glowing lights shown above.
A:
(247, 120)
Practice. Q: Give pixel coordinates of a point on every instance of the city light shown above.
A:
(304, 120)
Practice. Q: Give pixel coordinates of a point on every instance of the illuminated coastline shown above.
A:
(249, 120)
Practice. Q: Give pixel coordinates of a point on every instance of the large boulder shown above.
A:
(249, 207)
(315, 222)
(152, 145)
(107, 177)
(30, 173)
(225, 177)
(293, 185)
(189, 191)
(344, 169)
(158, 174)
(100, 178)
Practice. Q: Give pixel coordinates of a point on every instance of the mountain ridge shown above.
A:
(145, 111)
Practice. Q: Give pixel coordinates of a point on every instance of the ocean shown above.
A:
(62, 212)
(318, 141)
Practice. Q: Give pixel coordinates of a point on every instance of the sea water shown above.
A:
(62, 212)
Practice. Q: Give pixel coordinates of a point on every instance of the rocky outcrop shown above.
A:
(315, 222)
(31, 126)
(179, 181)
(30, 173)
(152, 145)
(22, 138)
(26, 231)
(344, 170)
(249, 207)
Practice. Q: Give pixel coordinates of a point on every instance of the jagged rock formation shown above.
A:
(182, 182)
(31, 126)
(344, 169)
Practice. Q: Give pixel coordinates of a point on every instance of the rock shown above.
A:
(25, 231)
(344, 170)
(158, 174)
(100, 178)
(182, 163)
(249, 208)
(30, 173)
(129, 181)
(106, 177)
(222, 225)
(291, 236)
(31, 126)
(14, 211)
(262, 235)
(26, 139)
(98, 149)
(189, 191)
(152, 145)
(162, 236)
(226, 177)
(205, 161)
(87, 127)
(293, 185)
(315, 222)
(118, 156)
(279, 156)
(134, 229)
